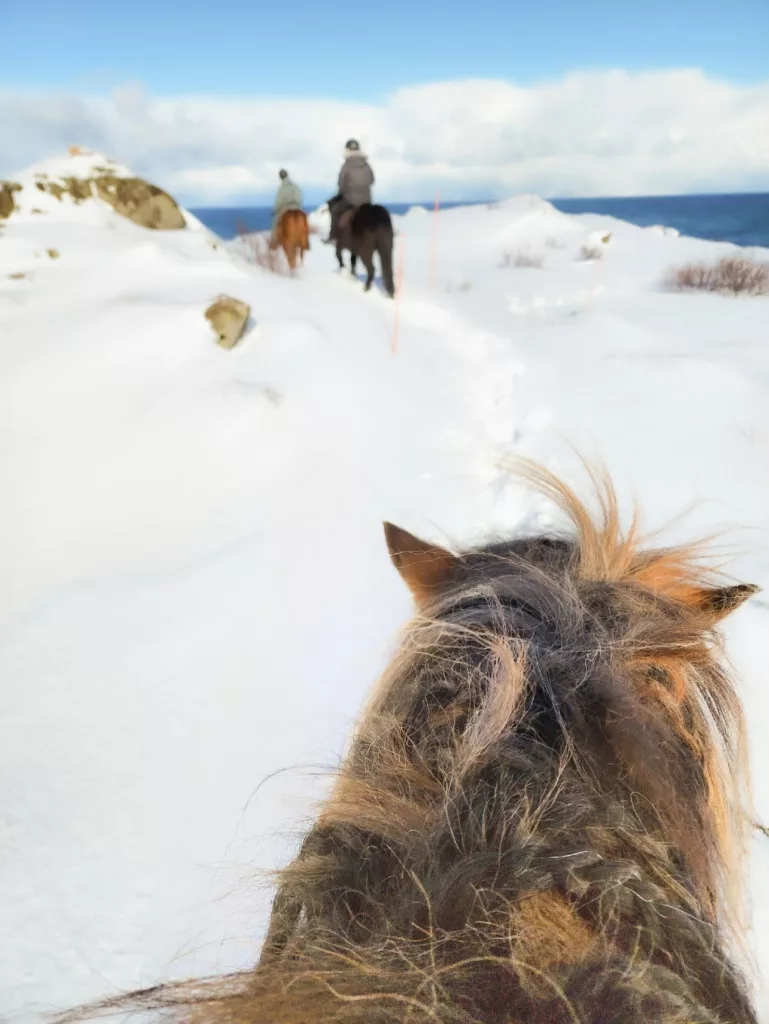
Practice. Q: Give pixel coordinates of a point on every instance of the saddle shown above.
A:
(288, 209)
(344, 220)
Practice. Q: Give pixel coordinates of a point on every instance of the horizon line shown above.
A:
(479, 202)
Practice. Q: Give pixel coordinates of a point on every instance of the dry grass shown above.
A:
(522, 258)
(730, 276)
(255, 247)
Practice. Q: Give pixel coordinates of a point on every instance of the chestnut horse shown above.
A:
(539, 820)
(293, 236)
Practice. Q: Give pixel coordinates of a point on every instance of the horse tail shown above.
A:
(384, 246)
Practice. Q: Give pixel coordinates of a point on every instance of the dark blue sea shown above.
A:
(742, 219)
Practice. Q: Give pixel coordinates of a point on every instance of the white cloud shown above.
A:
(597, 133)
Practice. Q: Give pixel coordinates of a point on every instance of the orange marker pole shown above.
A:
(434, 239)
(398, 293)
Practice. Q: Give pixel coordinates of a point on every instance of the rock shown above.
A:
(7, 204)
(78, 188)
(17, 277)
(133, 198)
(229, 318)
(144, 204)
(53, 253)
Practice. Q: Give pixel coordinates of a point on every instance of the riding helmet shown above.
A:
(283, 173)
(353, 145)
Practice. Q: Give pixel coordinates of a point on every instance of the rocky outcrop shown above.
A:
(7, 204)
(229, 318)
(140, 202)
(133, 198)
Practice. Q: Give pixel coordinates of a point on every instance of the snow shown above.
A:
(197, 595)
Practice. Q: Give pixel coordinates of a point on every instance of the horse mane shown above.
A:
(540, 818)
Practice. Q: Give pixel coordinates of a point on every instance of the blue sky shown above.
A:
(362, 51)
(474, 99)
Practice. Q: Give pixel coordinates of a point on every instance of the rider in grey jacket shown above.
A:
(289, 197)
(355, 181)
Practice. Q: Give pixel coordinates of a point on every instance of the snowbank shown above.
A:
(196, 592)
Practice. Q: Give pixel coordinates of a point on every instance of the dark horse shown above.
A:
(539, 820)
(365, 230)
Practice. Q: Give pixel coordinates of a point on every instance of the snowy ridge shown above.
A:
(196, 592)
(79, 164)
(35, 198)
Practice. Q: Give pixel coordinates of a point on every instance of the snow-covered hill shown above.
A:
(196, 594)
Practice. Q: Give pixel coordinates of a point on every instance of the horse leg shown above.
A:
(384, 246)
(339, 257)
(367, 255)
(353, 263)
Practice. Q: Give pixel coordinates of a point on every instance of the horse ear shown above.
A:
(718, 602)
(425, 568)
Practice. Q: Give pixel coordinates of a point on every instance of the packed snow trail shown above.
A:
(200, 592)
(198, 595)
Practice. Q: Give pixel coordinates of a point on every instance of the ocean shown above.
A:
(742, 219)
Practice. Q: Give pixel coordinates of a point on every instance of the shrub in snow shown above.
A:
(591, 252)
(732, 276)
(522, 258)
(255, 247)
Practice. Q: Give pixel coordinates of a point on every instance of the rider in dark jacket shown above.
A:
(355, 181)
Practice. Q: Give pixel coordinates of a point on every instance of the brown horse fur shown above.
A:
(293, 236)
(540, 815)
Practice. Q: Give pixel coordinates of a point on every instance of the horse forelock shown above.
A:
(593, 644)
